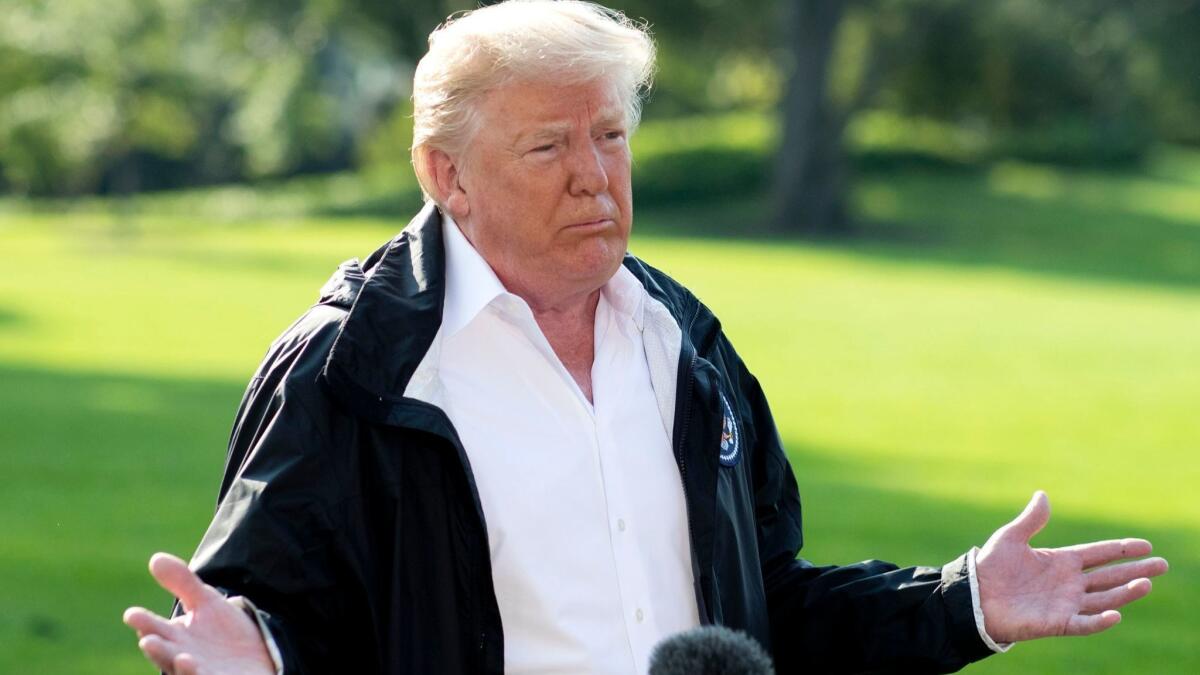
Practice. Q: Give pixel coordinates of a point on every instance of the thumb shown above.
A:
(173, 574)
(1032, 519)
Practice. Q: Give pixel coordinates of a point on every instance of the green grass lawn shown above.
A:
(997, 333)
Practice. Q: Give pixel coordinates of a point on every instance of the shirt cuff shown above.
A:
(273, 649)
(1001, 647)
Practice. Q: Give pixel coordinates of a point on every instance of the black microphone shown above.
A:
(710, 650)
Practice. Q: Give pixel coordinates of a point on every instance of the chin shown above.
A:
(601, 261)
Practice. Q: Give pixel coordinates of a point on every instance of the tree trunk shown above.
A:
(809, 194)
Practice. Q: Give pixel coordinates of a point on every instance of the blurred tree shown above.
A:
(136, 94)
(810, 170)
(713, 55)
(139, 94)
(1080, 81)
(842, 53)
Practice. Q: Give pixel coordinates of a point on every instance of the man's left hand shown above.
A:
(1029, 593)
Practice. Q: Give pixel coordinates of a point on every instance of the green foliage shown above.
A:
(1119, 72)
(700, 175)
(133, 95)
(1073, 142)
(882, 139)
(388, 145)
(701, 158)
(714, 55)
(714, 157)
(879, 139)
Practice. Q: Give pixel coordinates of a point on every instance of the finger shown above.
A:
(1099, 553)
(146, 622)
(1086, 625)
(160, 651)
(173, 574)
(1095, 603)
(185, 664)
(1104, 578)
(1033, 518)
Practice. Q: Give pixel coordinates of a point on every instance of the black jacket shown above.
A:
(348, 513)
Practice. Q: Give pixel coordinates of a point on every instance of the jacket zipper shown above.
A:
(679, 445)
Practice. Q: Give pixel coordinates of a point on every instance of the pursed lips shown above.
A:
(591, 221)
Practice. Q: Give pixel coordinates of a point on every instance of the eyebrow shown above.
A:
(556, 130)
(548, 131)
(610, 118)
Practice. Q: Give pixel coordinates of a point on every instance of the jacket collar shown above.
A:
(393, 319)
(395, 304)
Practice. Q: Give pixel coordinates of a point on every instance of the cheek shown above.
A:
(529, 188)
(520, 218)
(619, 178)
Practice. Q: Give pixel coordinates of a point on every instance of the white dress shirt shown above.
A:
(584, 506)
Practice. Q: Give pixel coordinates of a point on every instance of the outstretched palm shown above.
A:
(1029, 593)
(214, 636)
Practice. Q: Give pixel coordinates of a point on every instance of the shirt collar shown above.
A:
(472, 285)
(626, 295)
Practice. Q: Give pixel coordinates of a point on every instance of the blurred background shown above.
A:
(959, 243)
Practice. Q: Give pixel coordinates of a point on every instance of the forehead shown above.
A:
(521, 107)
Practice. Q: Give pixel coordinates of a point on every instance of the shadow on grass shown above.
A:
(1088, 229)
(101, 470)
(9, 319)
(90, 448)
(847, 520)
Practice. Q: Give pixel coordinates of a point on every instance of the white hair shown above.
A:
(556, 41)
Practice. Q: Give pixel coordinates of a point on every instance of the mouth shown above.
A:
(594, 223)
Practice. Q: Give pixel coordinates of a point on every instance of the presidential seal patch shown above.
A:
(731, 442)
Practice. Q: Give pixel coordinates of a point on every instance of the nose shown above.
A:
(588, 175)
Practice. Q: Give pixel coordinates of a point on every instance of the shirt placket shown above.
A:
(615, 354)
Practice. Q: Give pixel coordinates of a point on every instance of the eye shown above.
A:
(615, 135)
(544, 150)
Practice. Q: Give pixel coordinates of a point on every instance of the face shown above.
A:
(543, 190)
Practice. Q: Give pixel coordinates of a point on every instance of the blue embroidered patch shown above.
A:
(731, 446)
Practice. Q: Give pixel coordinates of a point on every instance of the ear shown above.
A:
(446, 180)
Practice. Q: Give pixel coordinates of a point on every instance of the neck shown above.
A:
(570, 328)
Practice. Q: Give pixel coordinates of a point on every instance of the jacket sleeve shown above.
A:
(277, 537)
(867, 617)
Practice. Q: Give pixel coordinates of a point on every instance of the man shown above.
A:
(503, 444)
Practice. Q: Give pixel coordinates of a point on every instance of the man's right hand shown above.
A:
(213, 637)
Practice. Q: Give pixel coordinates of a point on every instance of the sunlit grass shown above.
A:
(1136, 226)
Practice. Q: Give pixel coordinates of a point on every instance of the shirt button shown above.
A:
(621, 524)
(639, 615)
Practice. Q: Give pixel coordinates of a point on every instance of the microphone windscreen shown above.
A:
(710, 650)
